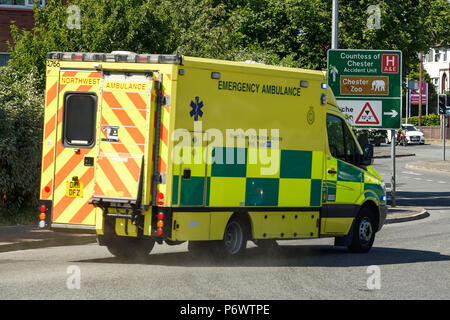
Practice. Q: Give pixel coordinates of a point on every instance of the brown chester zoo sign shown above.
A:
(364, 85)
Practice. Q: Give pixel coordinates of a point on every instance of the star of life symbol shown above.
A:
(196, 109)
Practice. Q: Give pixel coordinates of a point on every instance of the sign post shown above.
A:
(367, 85)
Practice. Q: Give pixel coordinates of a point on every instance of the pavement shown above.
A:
(24, 237)
(435, 165)
(438, 141)
(379, 154)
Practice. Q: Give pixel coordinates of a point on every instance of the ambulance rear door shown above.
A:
(124, 164)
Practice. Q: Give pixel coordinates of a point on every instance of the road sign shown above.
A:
(367, 85)
(415, 94)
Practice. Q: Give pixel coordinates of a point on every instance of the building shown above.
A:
(437, 62)
(19, 11)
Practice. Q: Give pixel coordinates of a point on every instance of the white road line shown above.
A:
(441, 182)
(413, 173)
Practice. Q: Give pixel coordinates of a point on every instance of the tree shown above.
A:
(411, 26)
(105, 25)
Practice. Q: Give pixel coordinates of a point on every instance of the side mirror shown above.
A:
(367, 158)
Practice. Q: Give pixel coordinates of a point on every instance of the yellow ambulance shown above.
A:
(144, 148)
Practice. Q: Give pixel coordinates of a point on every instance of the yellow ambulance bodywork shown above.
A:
(199, 141)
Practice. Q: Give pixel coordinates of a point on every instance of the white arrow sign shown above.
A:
(334, 71)
(393, 113)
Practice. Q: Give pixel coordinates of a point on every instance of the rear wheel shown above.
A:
(130, 248)
(234, 239)
(364, 232)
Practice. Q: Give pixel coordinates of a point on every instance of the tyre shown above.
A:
(130, 248)
(234, 239)
(363, 233)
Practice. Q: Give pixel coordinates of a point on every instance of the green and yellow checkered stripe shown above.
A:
(231, 180)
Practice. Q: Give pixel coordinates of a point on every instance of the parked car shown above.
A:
(371, 136)
(413, 135)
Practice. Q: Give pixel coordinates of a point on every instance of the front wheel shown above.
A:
(364, 232)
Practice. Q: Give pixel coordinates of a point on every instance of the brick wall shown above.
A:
(434, 132)
(23, 19)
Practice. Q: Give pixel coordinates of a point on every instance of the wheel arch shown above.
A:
(373, 207)
(246, 219)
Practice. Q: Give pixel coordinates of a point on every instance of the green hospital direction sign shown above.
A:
(367, 85)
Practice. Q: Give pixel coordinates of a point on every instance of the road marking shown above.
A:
(417, 178)
(413, 173)
(442, 182)
(430, 180)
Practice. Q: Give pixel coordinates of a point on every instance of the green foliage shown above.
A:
(21, 113)
(19, 216)
(431, 120)
(105, 26)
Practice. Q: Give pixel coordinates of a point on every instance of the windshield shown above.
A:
(409, 128)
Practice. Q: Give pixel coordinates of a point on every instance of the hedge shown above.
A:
(431, 120)
(21, 122)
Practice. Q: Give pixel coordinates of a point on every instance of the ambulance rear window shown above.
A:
(79, 115)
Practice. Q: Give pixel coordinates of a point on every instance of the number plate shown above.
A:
(74, 189)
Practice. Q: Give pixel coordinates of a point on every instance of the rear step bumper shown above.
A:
(72, 228)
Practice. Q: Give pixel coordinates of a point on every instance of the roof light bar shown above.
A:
(118, 56)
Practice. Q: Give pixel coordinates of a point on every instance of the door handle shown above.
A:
(332, 171)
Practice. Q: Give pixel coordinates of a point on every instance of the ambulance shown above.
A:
(153, 148)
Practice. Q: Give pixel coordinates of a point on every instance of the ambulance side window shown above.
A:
(336, 137)
(341, 142)
(350, 146)
(79, 118)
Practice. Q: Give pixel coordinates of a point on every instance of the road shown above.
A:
(413, 259)
(417, 187)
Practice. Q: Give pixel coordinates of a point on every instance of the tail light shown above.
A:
(45, 212)
(42, 216)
